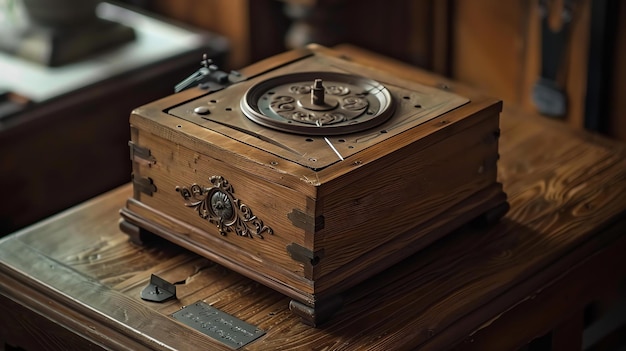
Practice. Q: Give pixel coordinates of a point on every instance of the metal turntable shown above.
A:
(318, 103)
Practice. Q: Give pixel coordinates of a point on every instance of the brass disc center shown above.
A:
(318, 101)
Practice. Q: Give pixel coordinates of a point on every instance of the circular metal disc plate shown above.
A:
(318, 103)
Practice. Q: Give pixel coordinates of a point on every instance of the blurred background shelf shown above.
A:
(484, 43)
(66, 138)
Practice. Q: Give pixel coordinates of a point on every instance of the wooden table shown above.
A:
(73, 281)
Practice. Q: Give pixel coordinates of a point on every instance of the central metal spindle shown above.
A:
(317, 93)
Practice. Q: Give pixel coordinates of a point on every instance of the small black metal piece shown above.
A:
(208, 77)
(304, 255)
(141, 154)
(158, 290)
(304, 221)
(144, 185)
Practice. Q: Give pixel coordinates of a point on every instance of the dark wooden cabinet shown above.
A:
(412, 31)
(71, 142)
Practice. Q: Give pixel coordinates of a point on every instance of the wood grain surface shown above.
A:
(77, 271)
(409, 181)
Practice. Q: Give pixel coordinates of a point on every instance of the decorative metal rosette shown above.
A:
(219, 206)
(318, 103)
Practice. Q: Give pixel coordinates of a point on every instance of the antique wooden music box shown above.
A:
(310, 171)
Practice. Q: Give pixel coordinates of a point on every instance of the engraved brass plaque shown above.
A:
(218, 325)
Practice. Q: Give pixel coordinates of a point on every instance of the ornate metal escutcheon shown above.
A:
(219, 206)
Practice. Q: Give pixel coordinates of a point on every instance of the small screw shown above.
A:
(202, 110)
(206, 62)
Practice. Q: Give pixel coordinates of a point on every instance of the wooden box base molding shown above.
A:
(310, 172)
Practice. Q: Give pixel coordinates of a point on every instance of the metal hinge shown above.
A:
(303, 221)
(141, 154)
(144, 185)
(304, 255)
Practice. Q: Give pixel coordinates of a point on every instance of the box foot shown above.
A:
(319, 313)
(491, 216)
(136, 234)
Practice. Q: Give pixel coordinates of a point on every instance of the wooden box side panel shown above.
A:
(151, 119)
(278, 207)
(404, 190)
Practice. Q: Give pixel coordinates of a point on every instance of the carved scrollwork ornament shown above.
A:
(219, 206)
